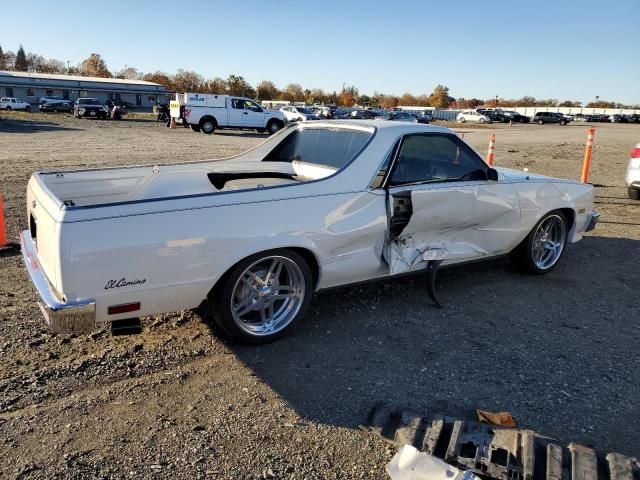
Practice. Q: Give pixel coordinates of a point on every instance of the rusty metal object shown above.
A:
(497, 452)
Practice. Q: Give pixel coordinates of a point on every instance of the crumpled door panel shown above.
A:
(450, 223)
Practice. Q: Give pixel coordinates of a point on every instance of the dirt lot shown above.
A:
(560, 351)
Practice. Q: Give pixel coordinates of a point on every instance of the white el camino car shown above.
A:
(317, 205)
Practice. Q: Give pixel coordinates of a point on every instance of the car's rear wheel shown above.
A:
(8, 109)
(543, 247)
(634, 194)
(207, 126)
(261, 297)
(462, 120)
(482, 120)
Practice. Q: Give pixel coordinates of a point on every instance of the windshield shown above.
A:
(327, 147)
(304, 110)
(88, 101)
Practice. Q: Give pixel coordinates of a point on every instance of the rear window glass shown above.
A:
(327, 147)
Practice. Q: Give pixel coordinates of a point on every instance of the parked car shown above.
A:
(633, 118)
(472, 116)
(90, 107)
(425, 117)
(298, 114)
(12, 103)
(363, 114)
(516, 117)
(617, 118)
(495, 114)
(118, 103)
(205, 113)
(550, 117)
(400, 117)
(632, 178)
(59, 106)
(326, 111)
(47, 99)
(316, 206)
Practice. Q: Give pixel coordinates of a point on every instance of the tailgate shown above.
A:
(43, 214)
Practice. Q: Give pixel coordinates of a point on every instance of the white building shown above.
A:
(31, 86)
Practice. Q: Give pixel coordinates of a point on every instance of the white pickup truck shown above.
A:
(205, 113)
(11, 103)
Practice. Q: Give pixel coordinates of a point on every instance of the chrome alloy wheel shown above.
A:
(268, 295)
(548, 242)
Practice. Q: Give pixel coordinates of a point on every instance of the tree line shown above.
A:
(190, 81)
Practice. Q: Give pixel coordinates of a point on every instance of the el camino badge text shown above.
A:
(123, 282)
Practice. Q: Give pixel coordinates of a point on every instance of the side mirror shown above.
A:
(492, 174)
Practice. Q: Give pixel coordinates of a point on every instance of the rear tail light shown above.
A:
(124, 308)
(635, 153)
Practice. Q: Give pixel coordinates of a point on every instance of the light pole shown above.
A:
(496, 101)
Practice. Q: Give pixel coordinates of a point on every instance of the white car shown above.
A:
(472, 116)
(299, 114)
(11, 103)
(317, 205)
(632, 178)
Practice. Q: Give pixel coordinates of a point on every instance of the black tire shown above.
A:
(195, 128)
(261, 130)
(540, 122)
(522, 257)
(207, 126)
(274, 126)
(634, 194)
(563, 122)
(220, 299)
(8, 109)
(27, 109)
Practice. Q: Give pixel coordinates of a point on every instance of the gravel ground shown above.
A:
(559, 351)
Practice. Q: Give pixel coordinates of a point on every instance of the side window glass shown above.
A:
(435, 158)
(236, 103)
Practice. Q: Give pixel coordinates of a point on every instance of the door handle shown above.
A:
(246, 113)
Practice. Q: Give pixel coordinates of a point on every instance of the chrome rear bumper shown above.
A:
(61, 316)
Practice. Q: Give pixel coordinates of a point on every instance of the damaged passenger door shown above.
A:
(444, 203)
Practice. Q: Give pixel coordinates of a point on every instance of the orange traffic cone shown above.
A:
(3, 226)
(173, 123)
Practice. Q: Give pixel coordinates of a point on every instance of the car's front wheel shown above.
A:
(540, 251)
(540, 122)
(462, 120)
(27, 109)
(8, 109)
(261, 297)
(274, 126)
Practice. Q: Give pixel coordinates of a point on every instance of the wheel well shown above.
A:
(570, 216)
(306, 254)
(274, 120)
(208, 117)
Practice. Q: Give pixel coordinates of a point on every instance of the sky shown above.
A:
(562, 49)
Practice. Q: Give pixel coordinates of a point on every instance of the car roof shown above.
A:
(384, 125)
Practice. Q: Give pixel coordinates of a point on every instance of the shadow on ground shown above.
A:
(30, 126)
(559, 351)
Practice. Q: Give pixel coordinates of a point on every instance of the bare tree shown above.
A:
(94, 66)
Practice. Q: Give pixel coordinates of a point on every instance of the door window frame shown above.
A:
(397, 148)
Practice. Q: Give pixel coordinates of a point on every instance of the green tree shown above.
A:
(21, 64)
(267, 90)
(440, 97)
(216, 85)
(161, 78)
(527, 101)
(292, 93)
(94, 66)
(237, 85)
(3, 61)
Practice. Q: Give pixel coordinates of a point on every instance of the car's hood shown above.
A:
(508, 174)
